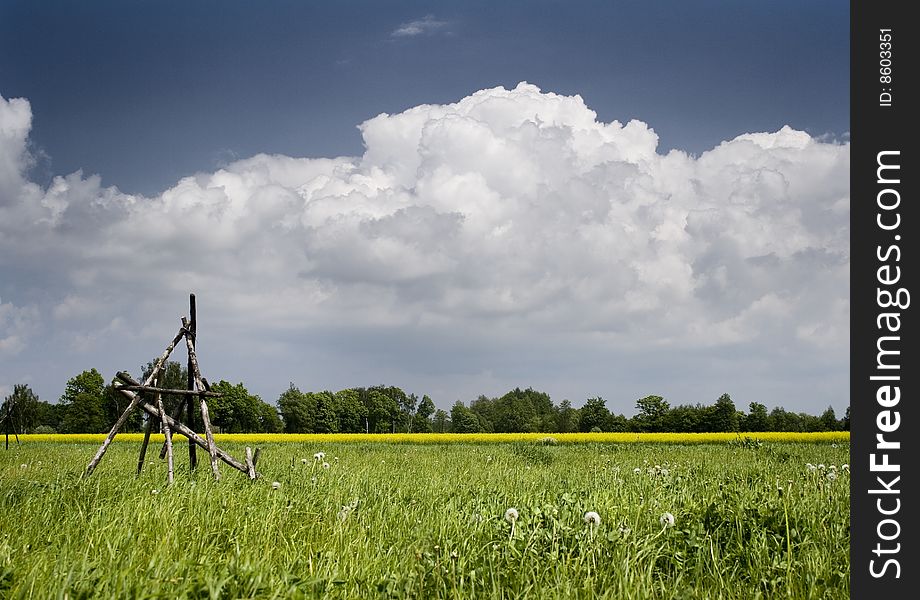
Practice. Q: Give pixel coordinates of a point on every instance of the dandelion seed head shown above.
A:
(276, 485)
(592, 518)
(637, 470)
(821, 467)
(326, 465)
(511, 515)
(319, 456)
(844, 467)
(303, 460)
(154, 492)
(667, 520)
(832, 475)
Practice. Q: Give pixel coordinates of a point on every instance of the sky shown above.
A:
(608, 199)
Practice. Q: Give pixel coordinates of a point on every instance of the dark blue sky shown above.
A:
(144, 92)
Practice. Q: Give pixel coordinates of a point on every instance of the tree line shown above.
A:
(89, 405)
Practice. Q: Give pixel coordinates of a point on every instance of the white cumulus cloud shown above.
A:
(509, 218)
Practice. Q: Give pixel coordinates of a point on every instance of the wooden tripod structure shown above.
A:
(139, 395)
(8, 422)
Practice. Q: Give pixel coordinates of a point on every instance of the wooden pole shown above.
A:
(132, 405)
(176, 415)
(250, 465)
(190, 402)
(143, 452)
(181, 428)
(205, 419)
(168, 434)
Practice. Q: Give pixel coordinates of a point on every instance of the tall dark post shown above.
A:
(189, 406)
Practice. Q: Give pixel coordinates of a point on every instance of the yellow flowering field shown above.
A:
(466, 438)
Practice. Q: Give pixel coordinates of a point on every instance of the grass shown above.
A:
(397, 520)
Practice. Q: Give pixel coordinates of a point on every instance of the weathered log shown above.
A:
(133, 404)
(166, 431)
(205, 418)
(249, 464)
(176, 414)
(159, 390)
(181, 428)
(255, 457)
(189, 403)
(143, 453)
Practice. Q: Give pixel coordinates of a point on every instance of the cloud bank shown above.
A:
(509, 224)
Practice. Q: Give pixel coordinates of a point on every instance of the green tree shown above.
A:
(83, 404)
(463, 420)
(326, 419)
(566, 417)
(652, 410)
(724, 416)
(782, 420)
(686, 419)
(524, 411)
(422, 421)
(235, 410)
(757, 418)
(269, 421)
(440, 423)
(829, 420)
(23, 410)
(593, 414)
(350, 411)
(296, 411)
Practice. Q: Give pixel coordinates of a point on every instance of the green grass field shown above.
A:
(429, 521)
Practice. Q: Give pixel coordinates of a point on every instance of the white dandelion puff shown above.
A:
(319, 456)
(832, 475)
(811, 468)
(665, 472)
(637, 471)
(667, 520)
(821, 467)
(844, 467)
(592, 518)
(303, 460)
(276, 485)
(154, 492)
(832, 468)
(326, 465)
(511, 515)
